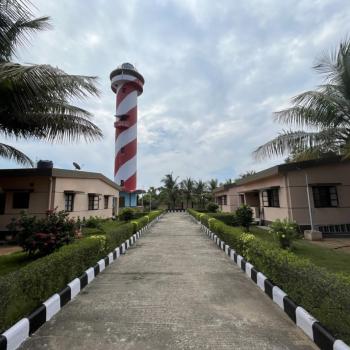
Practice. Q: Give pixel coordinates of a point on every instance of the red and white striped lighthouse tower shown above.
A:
(127, 84)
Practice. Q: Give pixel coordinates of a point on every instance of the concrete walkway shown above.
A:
(173, 290)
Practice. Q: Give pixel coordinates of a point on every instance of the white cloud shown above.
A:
(214, 71)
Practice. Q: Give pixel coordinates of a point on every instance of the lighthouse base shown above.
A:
(127, 200)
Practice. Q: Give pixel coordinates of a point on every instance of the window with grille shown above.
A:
(20, 200)
(270, 198)
(69, 201)
(325, 196)
(94, 200)
(106, 202)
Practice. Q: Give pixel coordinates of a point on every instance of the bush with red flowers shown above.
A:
(44, 235)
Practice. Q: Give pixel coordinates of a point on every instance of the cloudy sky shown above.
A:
(214, 71)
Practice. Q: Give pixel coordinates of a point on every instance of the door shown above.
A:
(2, 203)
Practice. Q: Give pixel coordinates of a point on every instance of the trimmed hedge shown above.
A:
(228, 218)
(25, 289)
(325, 295)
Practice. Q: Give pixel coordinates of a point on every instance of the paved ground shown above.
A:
(173, 290)
(5, 250)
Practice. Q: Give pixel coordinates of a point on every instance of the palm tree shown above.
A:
(171, 189)
(187, 187)
(246, 174)
(213, 184)
(323, 115)
(200, 191)
(34, 99)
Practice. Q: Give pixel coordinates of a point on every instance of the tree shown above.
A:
(171, 188)
(150, 199)
(228, 182)
(213, 184)
(200, 190)
(34, 99)
(246, 174)
(323, 115)
(187, 187)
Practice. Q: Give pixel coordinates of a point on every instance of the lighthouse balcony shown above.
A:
(121, 124)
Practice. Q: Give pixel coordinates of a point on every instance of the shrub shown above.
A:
(126, 214)
(228, 218)
(93, 222)
(43, 236)
(212, 207)
(25, 289)
(244, 215)
(139, 214)
(284, 231)
(325, 295)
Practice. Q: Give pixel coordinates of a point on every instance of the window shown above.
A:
(222, 200)
(270, 198)
(325, 196)
(121, 182)
(69, 201)
(122, 150)
(20, 200)
(106, 198)
(94, 200)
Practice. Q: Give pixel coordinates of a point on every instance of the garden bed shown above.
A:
(323, 294)
(23, 290)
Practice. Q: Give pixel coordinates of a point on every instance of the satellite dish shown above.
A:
(76, 166)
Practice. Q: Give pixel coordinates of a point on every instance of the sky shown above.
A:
(215, 71)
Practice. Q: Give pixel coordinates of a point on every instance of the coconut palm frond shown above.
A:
(317, 109)
(52, 127)
(323, 114)
(30, 82)
(34, 99)
(287, 141)
(13, 34)
(12, 153)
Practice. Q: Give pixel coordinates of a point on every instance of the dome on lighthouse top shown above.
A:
(127, 68)
(127, 65)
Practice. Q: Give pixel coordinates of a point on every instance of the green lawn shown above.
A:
(14, 261)
(106, 227)
(332, 260)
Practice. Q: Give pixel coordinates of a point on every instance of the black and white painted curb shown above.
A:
(19, 332)
(306, 322)
(176, 210)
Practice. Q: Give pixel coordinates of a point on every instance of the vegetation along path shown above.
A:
(172, 290)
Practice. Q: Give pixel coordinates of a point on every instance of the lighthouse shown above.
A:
(127, 84)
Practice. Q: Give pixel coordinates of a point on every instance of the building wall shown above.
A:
(232, 200)
(130, 199)
(40, 196)
(337, 174)
(81, 199)
(267, 213)
(38, 200)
